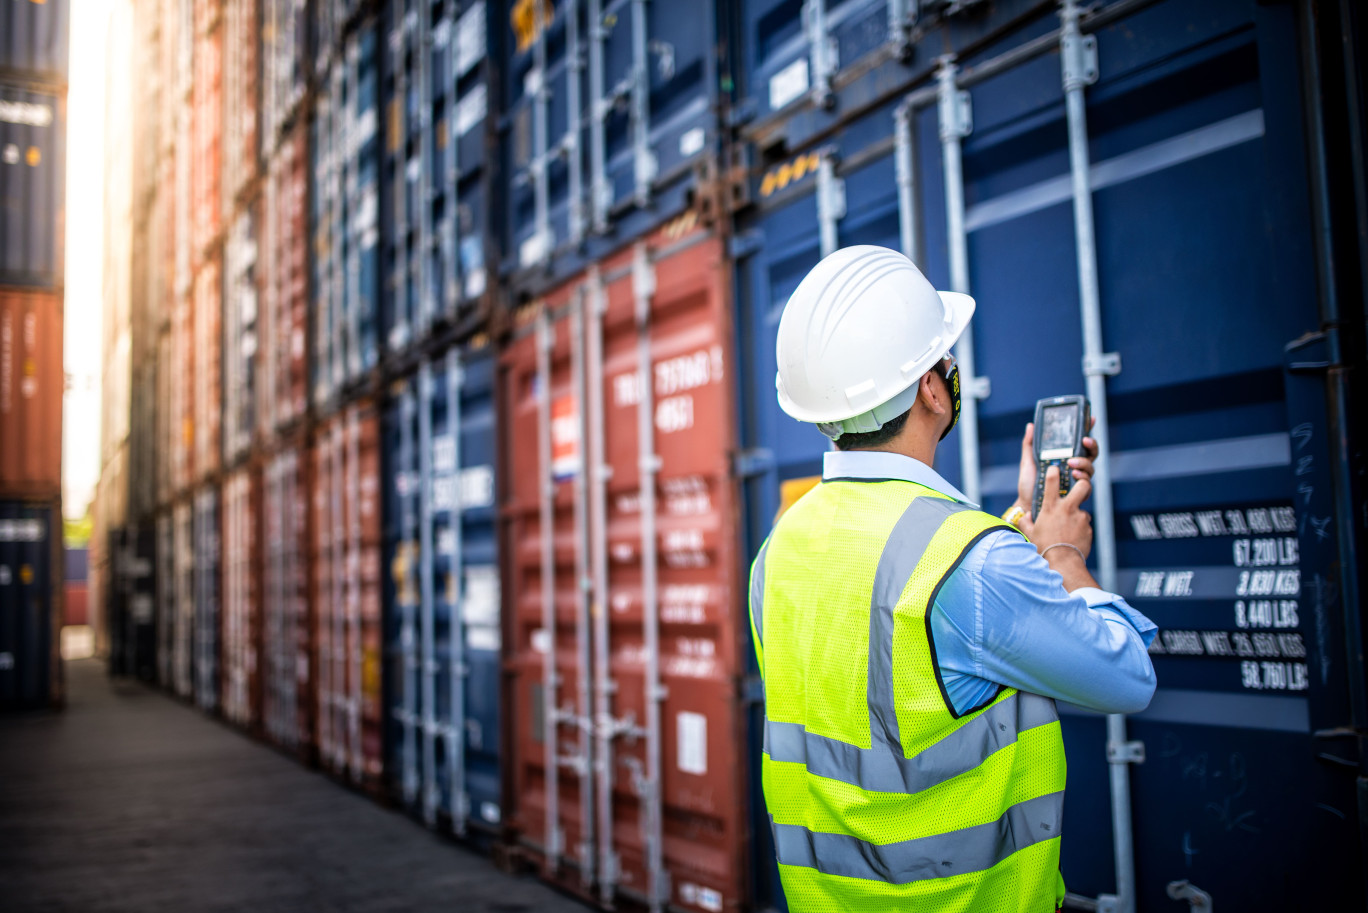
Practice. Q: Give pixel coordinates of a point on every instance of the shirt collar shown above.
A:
(880, 464)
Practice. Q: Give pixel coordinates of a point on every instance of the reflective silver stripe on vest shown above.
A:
(883, 766)
(960, 852)
(885, 769)
(757, 593)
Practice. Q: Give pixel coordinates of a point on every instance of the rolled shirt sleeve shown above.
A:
(1004, 618)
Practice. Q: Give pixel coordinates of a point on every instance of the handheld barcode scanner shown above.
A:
(1060, 425)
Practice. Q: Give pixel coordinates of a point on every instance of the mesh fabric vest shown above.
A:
(880, 796)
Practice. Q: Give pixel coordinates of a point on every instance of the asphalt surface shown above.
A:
(129, 800)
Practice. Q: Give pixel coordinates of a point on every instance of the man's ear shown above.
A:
(928, 395)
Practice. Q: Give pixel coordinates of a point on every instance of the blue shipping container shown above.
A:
(441, 597)
(611, 107)
(1195, 127)
(435, 221)
(26, 604)
(32, 186)
(345, 147)
(33, 40)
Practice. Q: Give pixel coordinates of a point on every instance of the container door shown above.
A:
(207, 593)
(26, 586)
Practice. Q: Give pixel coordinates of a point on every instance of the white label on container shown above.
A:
(444, 454)
(441, 34)
(470, 39)
(483, 638)
(11, 154)
(490, 812)
(142, 609)
(541, 640)
(444, 492)
(475, 283)
(5, 575)
(789, 83)
(6, 661)
(565, 458)
(477, 486)
(691, 143)
(692, 734)
(21, 530)
(27, 113)
(482, 595)
(532, 251)
(471, 109)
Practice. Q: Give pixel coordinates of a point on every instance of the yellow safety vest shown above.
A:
(881, 796)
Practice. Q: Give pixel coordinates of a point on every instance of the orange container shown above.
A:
(31, 382)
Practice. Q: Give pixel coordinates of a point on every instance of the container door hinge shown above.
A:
(902, 18)
(1105, 364)
(1080, 61)
(956, 110)
(1199, 901)
(461, 810)
(610, 869)
(822, 51)
(1126, 752)
(557, 842)
(831, 202)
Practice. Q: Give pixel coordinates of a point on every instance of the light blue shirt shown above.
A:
(1004, 617)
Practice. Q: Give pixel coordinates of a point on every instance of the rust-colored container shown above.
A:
(623, 593)
(206, 364)
(346, 594)
(241, 569)
(288, 709)
(31, 383)
(282, 263)
(241, 99)
(206, 131)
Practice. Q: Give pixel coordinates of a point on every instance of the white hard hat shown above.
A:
(858, 334)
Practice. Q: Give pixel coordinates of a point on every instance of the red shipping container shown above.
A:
(283, 266)
(288, 709)
(346, 561)
(31, 383)
(241, 599)
(624, 629)
(206, 367)
(240, 99)
(206, 131)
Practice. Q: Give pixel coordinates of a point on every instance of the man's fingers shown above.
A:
(1078, 493)
(1026, 440)
(1090, 448)
(1047, 504)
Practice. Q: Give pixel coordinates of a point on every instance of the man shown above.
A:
(911, 646)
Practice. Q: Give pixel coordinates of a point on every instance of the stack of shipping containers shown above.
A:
(458, 318)
(33, 88)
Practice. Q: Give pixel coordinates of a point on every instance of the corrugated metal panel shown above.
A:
(346, 594)
(32, 186)
(206, 137)
(288, 707)
(240, 335)
(346, 256)
(1195, 128)
(31, 384)
(33, 39)
(284, 67)
(207, 583)
(604, 151)
(442, 633)
(436, 220)
(241, 98)
(624, 592)
(76, 603)
(183, 600)
(242, 616)
(284, 361)
(29, 615)
(206, 400)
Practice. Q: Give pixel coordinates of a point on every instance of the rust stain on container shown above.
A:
(206, 404)
(242, 614)
(598, 560)
(288, 709)
(241, 91)
(206, 132)
(31, 382)
(283, 266)
(346, 593)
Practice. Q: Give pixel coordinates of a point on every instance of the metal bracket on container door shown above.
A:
(822, 50)
(956, 111)
(600, 190)
(1080, 60)
(831, 202)
(902, 19)
(644, 165)
(752, 462)
(1132, 752)
(570, 143)
(1104, 364)
(1199, 901)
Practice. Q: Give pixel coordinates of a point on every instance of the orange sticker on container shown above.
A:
(565, 437)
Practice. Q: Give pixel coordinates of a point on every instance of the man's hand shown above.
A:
(1064, 523)
(1081, 466)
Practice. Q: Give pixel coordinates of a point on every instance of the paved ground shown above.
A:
(129, 800)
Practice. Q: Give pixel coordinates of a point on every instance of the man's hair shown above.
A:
(867, 439)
